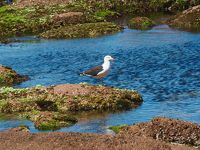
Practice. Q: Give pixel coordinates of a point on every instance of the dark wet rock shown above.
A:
(187, 20)
(168, 130)
(141, 23)
(10, 77)
(82, 30)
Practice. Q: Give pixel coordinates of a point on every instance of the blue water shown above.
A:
(162, 64)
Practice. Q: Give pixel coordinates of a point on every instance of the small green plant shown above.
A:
(117, 128)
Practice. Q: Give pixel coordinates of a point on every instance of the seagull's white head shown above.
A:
(108, 58)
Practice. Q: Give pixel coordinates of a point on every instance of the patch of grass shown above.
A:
(117, 128)
(103, 14)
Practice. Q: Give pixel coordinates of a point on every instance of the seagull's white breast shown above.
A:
(104, 72)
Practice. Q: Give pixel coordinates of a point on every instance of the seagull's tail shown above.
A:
(82, 74)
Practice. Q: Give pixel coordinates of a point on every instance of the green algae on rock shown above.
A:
(60, 98)
(82, 30)
(47, 120)
(48, 107)
(187, 20)
(10, 77)
(141, 23)
(117, 128)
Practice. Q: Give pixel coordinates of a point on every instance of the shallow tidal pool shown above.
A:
(163, 64)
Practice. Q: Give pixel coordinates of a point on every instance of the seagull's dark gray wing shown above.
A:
(94, 71)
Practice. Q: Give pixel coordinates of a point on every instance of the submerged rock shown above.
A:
(82, 30)
(141, 23)
(187, 20)
(50, 120)
(10, 77)
(168, 130)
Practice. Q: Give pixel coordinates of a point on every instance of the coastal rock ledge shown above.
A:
(50, 107)
(143, 136)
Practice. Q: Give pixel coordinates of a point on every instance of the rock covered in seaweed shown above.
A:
(168, 130)
(187, 20)
(47, 120)
(10, 77)
(69, 97)
(48, 107)
(141, 23)
(82, 30)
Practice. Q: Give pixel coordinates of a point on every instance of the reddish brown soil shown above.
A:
(80, 141)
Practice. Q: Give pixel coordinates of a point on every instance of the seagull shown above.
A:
(99, 72)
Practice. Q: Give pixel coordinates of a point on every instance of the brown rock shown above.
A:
(68, 18)
(187, 20)
(10, 77)
(82, 141)
(168, 130)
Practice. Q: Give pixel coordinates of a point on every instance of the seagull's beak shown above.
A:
(112, 59)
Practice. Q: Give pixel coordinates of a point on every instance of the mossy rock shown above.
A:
(50, 99)
(82, 30)
(48, 107)
(27, 99)
(141, 23)
(10, 77)
(117, 128)
(52, 120)
(187, 20)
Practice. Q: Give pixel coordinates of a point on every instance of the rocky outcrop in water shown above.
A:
(48, 107)
(82, 30)
(141, 23)
(187, 20)
(9, 77)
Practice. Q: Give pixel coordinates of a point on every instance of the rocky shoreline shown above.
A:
(158, 134)
(80, 19)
